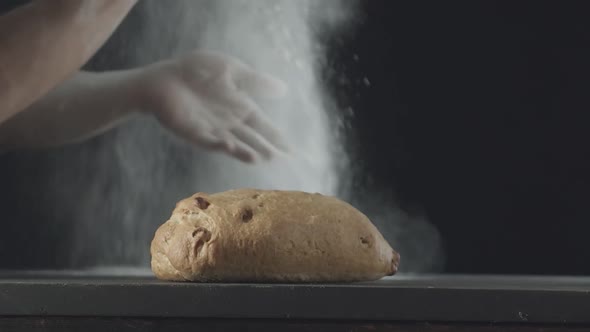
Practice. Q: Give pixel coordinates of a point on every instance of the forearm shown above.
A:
(46, 42)
(83, 106)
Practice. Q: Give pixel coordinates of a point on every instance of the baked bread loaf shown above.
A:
(251, 235)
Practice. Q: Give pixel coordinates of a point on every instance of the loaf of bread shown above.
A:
(269, 236)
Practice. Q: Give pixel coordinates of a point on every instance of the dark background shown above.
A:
(476, 115)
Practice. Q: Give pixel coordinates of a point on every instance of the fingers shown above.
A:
(258, 139)
(265, 129)
(249, 137)
(242, 152)
(244, 77)
(229, 143)
(258, 85)
(253, 129)
(240, 105)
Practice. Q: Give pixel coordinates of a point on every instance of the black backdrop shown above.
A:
(476, 114)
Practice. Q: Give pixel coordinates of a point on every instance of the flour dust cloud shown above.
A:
(140, 171)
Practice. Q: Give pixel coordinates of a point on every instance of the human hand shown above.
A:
(209, 100)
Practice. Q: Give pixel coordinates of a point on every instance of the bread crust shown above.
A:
(249, 235)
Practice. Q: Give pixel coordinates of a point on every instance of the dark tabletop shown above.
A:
(479, 299)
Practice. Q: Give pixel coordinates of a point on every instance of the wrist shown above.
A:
(147, 87)
(120, 90)
(132, 92)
